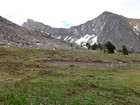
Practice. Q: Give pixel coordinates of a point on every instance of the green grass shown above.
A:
(27, 79)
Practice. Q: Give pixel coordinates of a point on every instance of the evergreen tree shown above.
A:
(71, 45)
(124, 50)
(88, 45)
(110, 47)
(94, 46)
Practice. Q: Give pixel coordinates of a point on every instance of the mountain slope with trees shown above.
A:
(108, 26)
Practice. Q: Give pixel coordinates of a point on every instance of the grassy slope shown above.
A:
(24, 80)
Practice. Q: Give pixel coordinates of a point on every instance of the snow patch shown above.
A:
(94, 40)
(69, 38)
(59, 37)
(136, 27)
(66, 38)
(72, 40)
(86, 38)
(136, 32)
(38, 43)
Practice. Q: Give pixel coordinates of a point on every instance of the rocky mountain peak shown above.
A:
(108, 13)
(106, 27)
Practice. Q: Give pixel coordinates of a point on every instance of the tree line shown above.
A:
(107, 47)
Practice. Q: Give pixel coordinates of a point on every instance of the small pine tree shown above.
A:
(110, 47)
(71, 45)
(88, 45)
(94, 46)
(124, 50)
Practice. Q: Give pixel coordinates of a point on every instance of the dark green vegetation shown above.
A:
(110, 47)
(88, 45)
(98, 46)
(124, 50)
(28, 78)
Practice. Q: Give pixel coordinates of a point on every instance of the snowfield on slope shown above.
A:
(87, 38)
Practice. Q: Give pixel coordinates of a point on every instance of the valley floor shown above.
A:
(62, 77)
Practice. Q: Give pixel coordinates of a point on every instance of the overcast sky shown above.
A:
(65, 13)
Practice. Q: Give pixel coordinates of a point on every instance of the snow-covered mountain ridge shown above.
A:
(106, 27)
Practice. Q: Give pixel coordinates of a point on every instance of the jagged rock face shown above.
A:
(14, 35)
(106, 27)
(33, 25)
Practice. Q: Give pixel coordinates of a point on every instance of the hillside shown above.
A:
(13, 35)
(106, 27)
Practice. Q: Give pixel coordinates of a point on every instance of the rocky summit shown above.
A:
(106, 27)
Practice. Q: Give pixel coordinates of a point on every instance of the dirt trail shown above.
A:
(97, 64)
